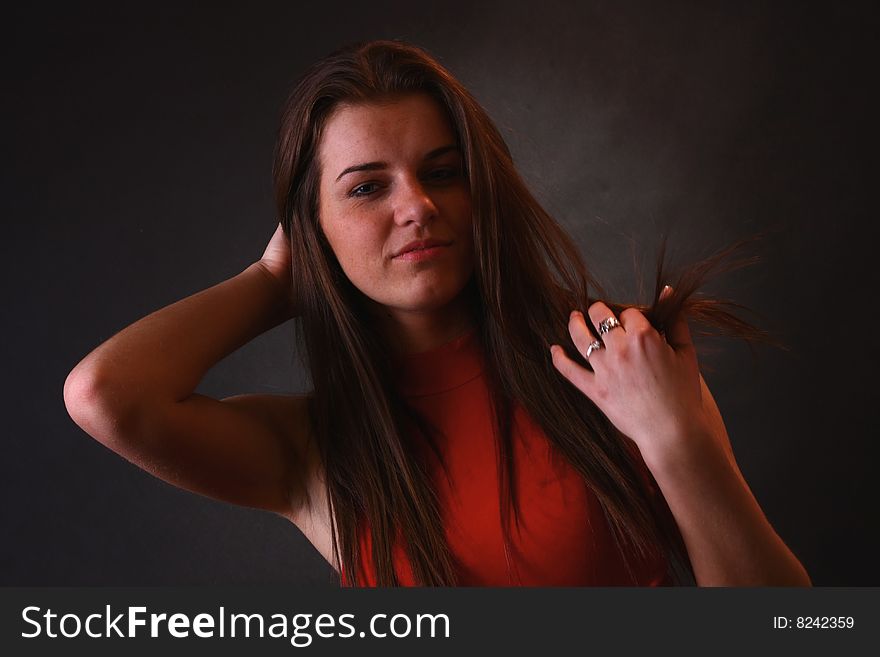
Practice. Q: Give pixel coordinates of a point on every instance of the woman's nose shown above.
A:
(414, 204)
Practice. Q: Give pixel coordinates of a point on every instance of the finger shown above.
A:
(598, 313)
(634, 320)
(580, 332)
(678, 334)
(578, 376)
(664, 293)
(277, 243)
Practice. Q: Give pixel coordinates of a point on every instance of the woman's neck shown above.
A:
(412, 332)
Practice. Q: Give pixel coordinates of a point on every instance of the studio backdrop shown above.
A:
(138, 171)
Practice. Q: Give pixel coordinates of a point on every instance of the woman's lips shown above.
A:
(418, 255)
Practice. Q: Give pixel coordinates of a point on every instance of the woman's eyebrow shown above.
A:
(366, 166)
(443, 150)
(376, 166)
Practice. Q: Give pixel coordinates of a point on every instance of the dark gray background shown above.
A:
(139, 143)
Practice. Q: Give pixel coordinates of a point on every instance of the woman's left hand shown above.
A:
(648, 386)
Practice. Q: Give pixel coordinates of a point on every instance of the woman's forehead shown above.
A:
(405, 125)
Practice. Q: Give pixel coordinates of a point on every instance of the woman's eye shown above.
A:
(364, 190)
(442, 174)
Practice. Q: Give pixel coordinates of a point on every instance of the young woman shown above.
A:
(477, 418)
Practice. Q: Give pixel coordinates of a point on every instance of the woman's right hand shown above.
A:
(276, 262)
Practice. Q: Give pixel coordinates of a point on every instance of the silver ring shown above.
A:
(607, 324)
(594, 345)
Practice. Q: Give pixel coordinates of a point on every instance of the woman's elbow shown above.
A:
(96, 404)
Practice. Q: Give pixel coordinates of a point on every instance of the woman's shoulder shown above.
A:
(287, 414)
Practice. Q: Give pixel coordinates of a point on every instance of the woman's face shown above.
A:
(391, 174)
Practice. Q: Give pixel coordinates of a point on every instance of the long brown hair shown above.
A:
(522, 291)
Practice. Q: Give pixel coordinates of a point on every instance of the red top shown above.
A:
(563, 538)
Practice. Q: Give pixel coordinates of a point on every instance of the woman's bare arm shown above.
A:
(134, 393)
(729, 540)
(651, 389)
